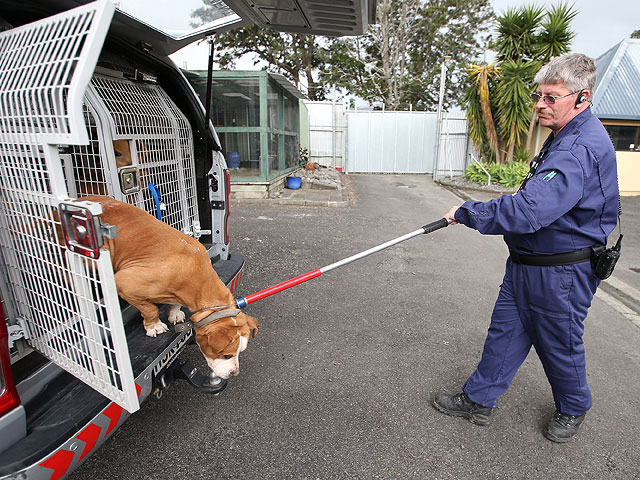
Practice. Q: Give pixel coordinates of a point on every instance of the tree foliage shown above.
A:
(480, 107)
(527, 37)
(635, 34)
(397, 61)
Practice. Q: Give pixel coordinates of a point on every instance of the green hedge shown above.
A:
(509, 174)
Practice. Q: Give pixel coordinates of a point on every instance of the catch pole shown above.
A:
(254, 297)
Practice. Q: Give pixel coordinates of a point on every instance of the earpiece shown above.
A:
(581, 99)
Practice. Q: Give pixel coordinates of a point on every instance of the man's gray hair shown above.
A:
(575, 70)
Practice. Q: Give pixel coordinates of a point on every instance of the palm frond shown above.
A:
(556, 35)
(483, 76)
(517, 32)
(514, 111)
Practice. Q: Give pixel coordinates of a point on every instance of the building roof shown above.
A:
(281, 80)
(288, 86)
(618, 82)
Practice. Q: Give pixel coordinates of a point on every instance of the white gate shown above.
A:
(326, 133)
(391, 142)
(67, 303)
(453, 147)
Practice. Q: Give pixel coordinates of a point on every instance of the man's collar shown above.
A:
(575, 122)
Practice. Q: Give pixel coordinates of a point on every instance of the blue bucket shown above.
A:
(294, 182)
(233, 159)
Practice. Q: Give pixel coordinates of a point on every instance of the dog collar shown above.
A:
(214, 317)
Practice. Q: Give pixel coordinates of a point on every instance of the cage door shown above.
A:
(68, 303)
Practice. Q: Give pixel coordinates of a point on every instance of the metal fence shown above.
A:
(388, 141)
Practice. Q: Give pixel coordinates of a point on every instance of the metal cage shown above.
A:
(140, 151)
(67, 304)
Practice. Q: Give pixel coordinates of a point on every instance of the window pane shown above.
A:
(273, 153)
(245, 147)
(292, 151)
(236, 103)
(273, 102)
(624, 137)
(291, 123)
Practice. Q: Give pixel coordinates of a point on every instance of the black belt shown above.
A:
(568, 258)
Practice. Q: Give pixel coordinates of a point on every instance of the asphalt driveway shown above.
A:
(338, 382)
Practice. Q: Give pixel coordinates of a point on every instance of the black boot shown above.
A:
(460, 405)
(562, 427)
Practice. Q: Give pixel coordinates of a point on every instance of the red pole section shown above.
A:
(254, 297)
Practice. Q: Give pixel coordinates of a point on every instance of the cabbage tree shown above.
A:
(527, 37)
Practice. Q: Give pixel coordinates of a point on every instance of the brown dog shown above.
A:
(155, 263)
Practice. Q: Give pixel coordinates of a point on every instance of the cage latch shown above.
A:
(197, 232)
(129, 179)
(108, 231)
(17, 332)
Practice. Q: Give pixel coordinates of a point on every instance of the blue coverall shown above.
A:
(570, 203)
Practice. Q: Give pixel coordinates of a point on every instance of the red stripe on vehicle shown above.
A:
(89, 436)
(113, 412)
(59, 463)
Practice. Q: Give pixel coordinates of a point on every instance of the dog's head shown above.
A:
(222, 341)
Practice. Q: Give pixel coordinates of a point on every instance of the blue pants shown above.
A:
(544, 307)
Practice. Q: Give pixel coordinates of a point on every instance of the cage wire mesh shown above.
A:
(68, 303)
(84, 166)
(155, 137)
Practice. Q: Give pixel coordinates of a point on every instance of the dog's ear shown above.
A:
(253, 325)
(213, 342)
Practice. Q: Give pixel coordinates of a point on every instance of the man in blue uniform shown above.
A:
(567, 205)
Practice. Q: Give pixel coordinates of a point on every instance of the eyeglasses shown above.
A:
(549, 99)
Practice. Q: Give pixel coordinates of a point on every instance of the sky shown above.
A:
(599, 24)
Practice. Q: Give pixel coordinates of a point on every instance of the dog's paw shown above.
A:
(176, 316)
(156, 329)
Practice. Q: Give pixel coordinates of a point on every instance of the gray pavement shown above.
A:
(338, 383)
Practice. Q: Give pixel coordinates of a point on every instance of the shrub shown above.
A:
(510, 174)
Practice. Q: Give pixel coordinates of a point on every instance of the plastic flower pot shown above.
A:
(233, 159)
(294, 182)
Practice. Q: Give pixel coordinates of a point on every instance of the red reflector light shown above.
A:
(81, 230)
(9, 398)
